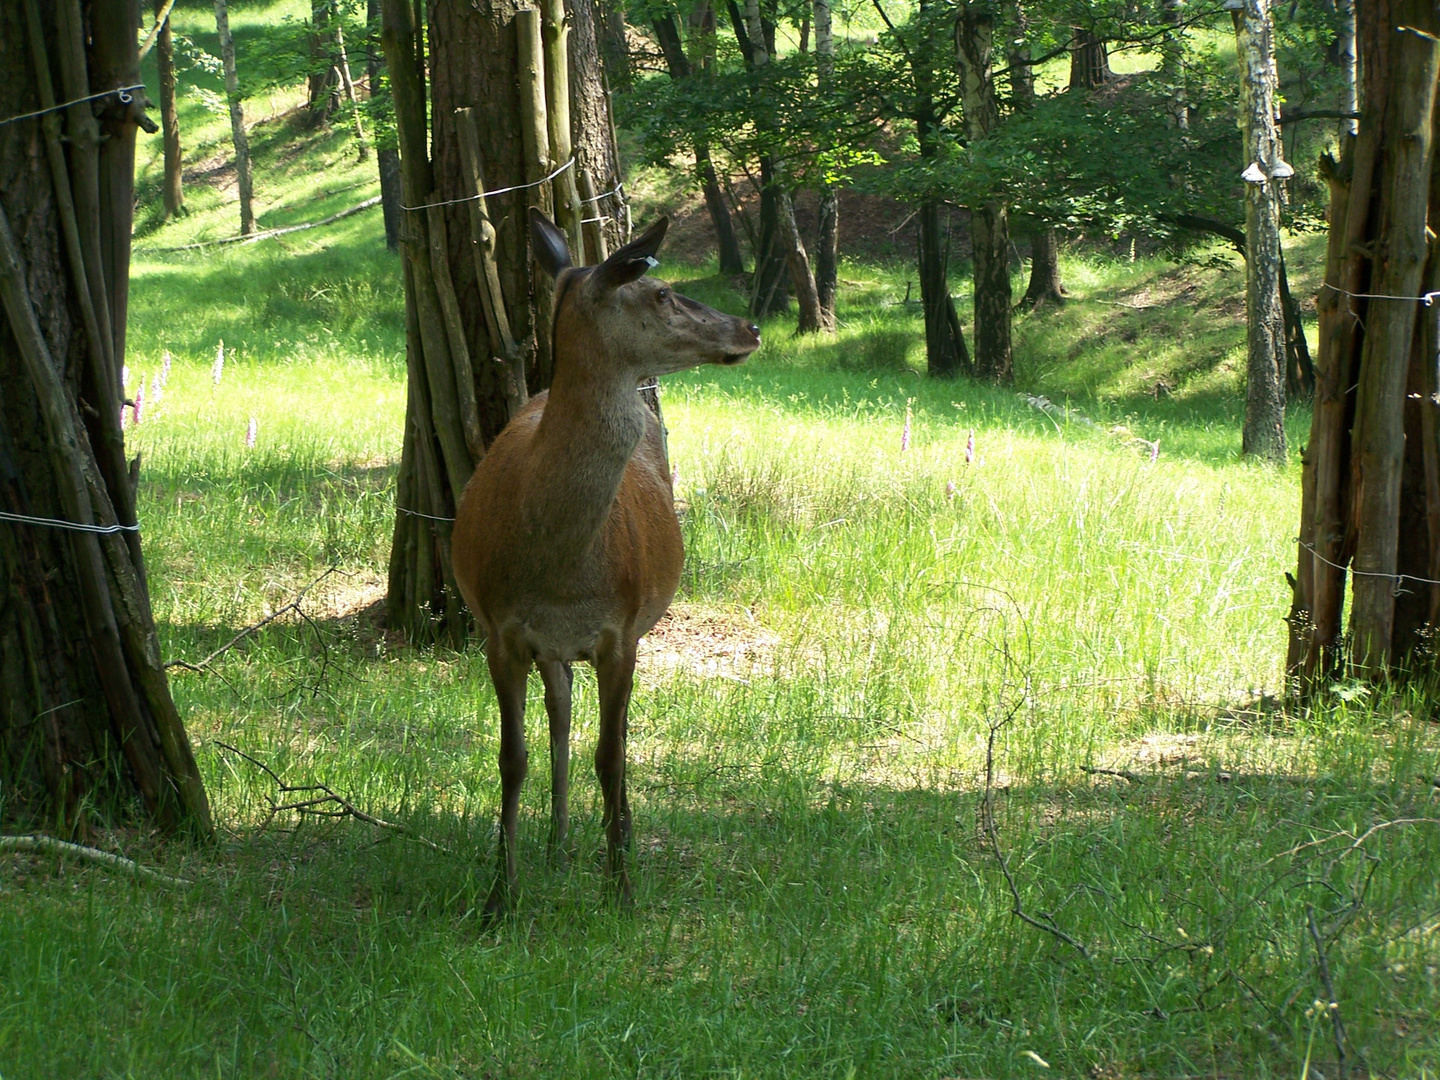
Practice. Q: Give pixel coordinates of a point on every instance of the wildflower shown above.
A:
(157, 388)
(675, 477)
(970, 448)
(124, 377)
(950, 490)
(219, 368)
(140, 400)
(1155, 450)
(124, 417)
(250, 434)
(165, 369)
(905, 431)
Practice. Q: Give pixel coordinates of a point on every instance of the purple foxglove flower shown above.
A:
(250, 433)
(905, 432)
(157, 388)
(165, 369)
(950, 490)
(970, 448)
(1155, 450)
(219, 367)
(140, 400)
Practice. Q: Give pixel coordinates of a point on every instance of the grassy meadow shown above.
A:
(1029, 661)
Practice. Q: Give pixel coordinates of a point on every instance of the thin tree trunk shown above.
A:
(323, 81)
(387, 157)
(345, 81)
(989, 223)
(667, 33)
(172, 189)
(237, 118)
(1172, 65)
(614, 47)
(1264, 434)
(781, 248)
(87, 724)
(827, 248)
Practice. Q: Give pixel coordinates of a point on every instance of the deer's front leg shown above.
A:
(558, 681)
(509, 669)
(615, 675)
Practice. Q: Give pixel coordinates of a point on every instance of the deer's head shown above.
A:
(636, 322)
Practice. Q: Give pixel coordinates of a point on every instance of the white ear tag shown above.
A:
(652, 261)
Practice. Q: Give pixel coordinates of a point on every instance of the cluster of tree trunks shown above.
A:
(1370, 503)
(172, 187)
(501, 82)
(86, 718)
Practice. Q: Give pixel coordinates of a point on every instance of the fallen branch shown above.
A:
(988, 814)
(1337, 1025)
(49, 845)
(293, 605)
(321, 800)
(1124, 774)
(269, 234)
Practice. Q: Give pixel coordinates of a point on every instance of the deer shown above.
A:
(566, 545)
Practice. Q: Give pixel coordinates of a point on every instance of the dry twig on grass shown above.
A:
(321, 800)
(293, 605)
(52, 846)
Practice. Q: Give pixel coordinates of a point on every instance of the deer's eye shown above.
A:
(662, 295)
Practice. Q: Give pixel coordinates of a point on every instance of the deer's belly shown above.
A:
(578, 632)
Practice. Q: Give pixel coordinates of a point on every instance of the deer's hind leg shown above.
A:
(509, 670)
(558, 679)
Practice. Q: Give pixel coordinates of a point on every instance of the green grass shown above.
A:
(816, 894)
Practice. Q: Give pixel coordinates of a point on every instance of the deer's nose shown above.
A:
(754, 331)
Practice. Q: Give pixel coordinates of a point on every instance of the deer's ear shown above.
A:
(548, 243)
(630, 262)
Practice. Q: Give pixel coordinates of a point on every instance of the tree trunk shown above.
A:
(387, 156)
(945, 352)
(1172, 65)
(827, 248)
(1264, 434)
(615, 48)
(989, 223)
(472, 306)
(667, 33)
(780, 249)
(172, 190)
(1089, 60)
(345, 81)
(237, 119)
(1045, 287)
(323, 82)
(1371, 481)
(87, 724)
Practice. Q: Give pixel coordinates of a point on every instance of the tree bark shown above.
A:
(989, 222)
(1371, 481)
(472, 306)
(615, 49)
(171, 187)
(1264, 432)
(237, 119)
(87, 724)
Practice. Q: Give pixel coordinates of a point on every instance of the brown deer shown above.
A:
(566, 546)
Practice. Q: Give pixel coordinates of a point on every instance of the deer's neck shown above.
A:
(592, 424)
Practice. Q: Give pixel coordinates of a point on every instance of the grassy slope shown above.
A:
(815, 894)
